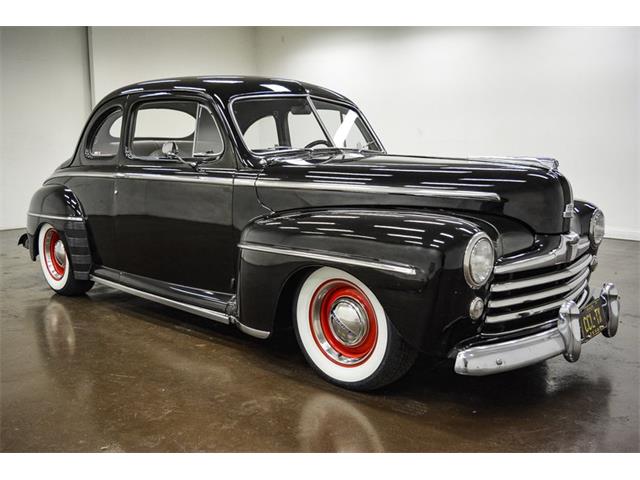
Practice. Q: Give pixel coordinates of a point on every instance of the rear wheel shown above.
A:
(345, 334)
(56, 265)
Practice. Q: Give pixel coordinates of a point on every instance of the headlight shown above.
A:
(479, 258)
(596, 227)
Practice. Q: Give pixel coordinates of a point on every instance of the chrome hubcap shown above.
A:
(348, 322)
(59, 253)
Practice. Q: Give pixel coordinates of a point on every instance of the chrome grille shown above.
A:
(522, 299)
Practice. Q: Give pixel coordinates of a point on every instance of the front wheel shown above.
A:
(56, 265)
(345, 334)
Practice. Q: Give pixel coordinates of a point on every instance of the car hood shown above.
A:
(529, 191)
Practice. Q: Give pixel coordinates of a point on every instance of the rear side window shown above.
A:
(189, 124)
(105, 141)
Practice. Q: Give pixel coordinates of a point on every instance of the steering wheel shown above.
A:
(315, 143)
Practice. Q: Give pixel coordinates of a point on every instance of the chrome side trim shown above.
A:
(541, 294)
(344, 187)
(527, 312)
(203, 312)
(178, 178)
(62, 173)
(254, 332)
(55, 217)
(541, 162)
(542, 279)
(333, 258)
(150, 176)
(200, 311)
(571, 247)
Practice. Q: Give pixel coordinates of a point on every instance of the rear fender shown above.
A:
(408, 259)
(57, 205)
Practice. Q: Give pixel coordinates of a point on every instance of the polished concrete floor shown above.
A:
(110, 373)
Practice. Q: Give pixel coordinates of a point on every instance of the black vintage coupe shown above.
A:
(270, 204)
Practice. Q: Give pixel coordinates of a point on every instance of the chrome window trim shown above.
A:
(102, 116)
(546, 278)
(133, 112)
(342, 187)
(55, 217)
(333, 258)
(202, 106)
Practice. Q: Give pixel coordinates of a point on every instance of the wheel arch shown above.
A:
(58, 206)
(404, 271)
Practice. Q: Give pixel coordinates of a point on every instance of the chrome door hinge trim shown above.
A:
(377, 189)
(56, 217)
(332, 258)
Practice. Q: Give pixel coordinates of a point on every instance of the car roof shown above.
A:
(225, 87)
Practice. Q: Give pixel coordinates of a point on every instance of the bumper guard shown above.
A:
(564, 339)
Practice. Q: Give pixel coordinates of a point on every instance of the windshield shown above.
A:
(275, 124)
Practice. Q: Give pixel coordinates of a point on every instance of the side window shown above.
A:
(262, 132)
(345, 126)
(105, 139)
(208, 140)
(189, 124)
(158, 122)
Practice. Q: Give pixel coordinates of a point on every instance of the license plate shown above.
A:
(592, 320)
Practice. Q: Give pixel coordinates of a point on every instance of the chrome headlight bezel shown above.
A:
(469, 276)
(597, 221)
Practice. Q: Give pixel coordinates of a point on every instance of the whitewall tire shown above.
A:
(56, 264)
(345, 334)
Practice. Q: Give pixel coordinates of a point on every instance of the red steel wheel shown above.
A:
(344, 333)
(56, 265)
(55, 254)
(343, 322)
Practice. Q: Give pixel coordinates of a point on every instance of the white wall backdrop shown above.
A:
(45, 102)
(568, 93)
(571, 93)
(126, 55)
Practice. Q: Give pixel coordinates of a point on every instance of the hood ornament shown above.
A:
(543, 162)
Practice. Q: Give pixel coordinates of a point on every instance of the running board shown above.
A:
(194, 309)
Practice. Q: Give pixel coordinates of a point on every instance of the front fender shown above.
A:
(411, 261)
(59, 206)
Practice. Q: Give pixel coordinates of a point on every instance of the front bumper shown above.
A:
(563, 339)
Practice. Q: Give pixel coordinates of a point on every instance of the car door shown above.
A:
(174, 222)
(92, 178)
